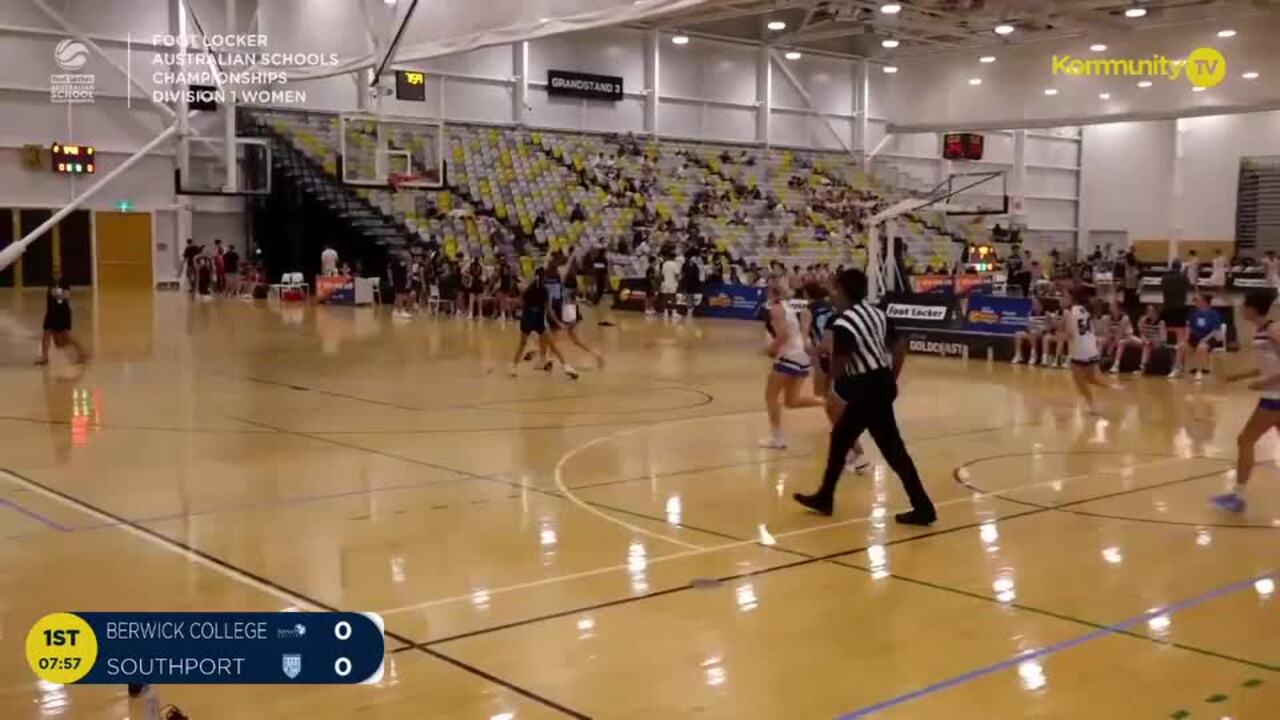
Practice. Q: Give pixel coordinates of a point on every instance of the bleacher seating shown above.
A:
(502, 180)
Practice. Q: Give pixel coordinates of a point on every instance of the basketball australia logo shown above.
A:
(71, 86)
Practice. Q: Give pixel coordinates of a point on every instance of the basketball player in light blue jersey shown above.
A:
(1266, 352)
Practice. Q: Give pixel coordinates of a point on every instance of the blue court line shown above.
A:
(1056, 647)
(47, 522)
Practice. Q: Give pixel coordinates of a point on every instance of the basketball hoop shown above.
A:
(396, 180)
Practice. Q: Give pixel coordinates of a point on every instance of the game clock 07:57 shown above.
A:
(61, 648)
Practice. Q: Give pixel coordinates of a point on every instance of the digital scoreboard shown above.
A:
(74, 159)
(411, 85)
(962, 146)
(207, 648)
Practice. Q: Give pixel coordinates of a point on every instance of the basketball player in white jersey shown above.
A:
(1084, 347)
(1266, 352)
(789, 328)
(1218, 278)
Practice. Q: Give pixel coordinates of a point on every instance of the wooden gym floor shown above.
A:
(619, 547)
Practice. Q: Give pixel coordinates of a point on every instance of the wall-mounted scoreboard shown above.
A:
(962, 146)
(74, 159)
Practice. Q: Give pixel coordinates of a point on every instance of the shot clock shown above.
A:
(206, 648)
(411, 85)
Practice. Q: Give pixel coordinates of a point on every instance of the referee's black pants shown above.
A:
(869, 406)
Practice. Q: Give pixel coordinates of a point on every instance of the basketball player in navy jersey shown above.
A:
(565, 312)
(821, 314)
(533, 321)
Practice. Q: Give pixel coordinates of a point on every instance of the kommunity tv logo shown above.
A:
(1203, 67)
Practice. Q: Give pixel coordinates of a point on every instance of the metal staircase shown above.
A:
(294, 168)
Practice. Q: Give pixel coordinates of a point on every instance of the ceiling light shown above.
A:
(1135, 12)
(1098, 47)
(1226, 33)
(680, 40)
(1004, 29)
(987, 59)
(777, 25)
(1198, 88)
(1104, 96)
(793, 55)
(975, 81)
(1144, 83)
(1051, 91)
(1251, 75)
(889, 43)
(890, 69)
(389, 2)
(891, 8)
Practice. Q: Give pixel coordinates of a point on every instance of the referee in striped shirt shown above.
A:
(865, 363)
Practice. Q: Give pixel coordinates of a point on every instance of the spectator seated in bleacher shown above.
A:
(1207, 332)
(1152, 335)
(1113, 329)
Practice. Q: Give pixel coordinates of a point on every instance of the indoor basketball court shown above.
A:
(291, 437)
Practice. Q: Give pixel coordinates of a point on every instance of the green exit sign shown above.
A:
(124, 205)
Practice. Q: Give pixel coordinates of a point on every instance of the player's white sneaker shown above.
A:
(773, 443)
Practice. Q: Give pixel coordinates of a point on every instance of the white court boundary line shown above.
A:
(696, 550)
(167, 543)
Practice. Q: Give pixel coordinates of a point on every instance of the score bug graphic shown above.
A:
(207, 648)
(61, 648)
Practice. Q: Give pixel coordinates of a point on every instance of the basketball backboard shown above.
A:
(374, 148)
(974, 193)
(207, 174)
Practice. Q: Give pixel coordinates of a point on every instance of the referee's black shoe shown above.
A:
(917, 517)
(819, 503)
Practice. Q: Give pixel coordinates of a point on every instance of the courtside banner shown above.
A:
(959, 284)
(738, 302)
(927, 310)
(632, 293)
(1004, 315)
(961, 344)
(336, 290)
(278, 648)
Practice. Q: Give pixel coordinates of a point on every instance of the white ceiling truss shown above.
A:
(857, 27)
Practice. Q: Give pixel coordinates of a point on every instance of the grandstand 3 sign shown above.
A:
(584, 85)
